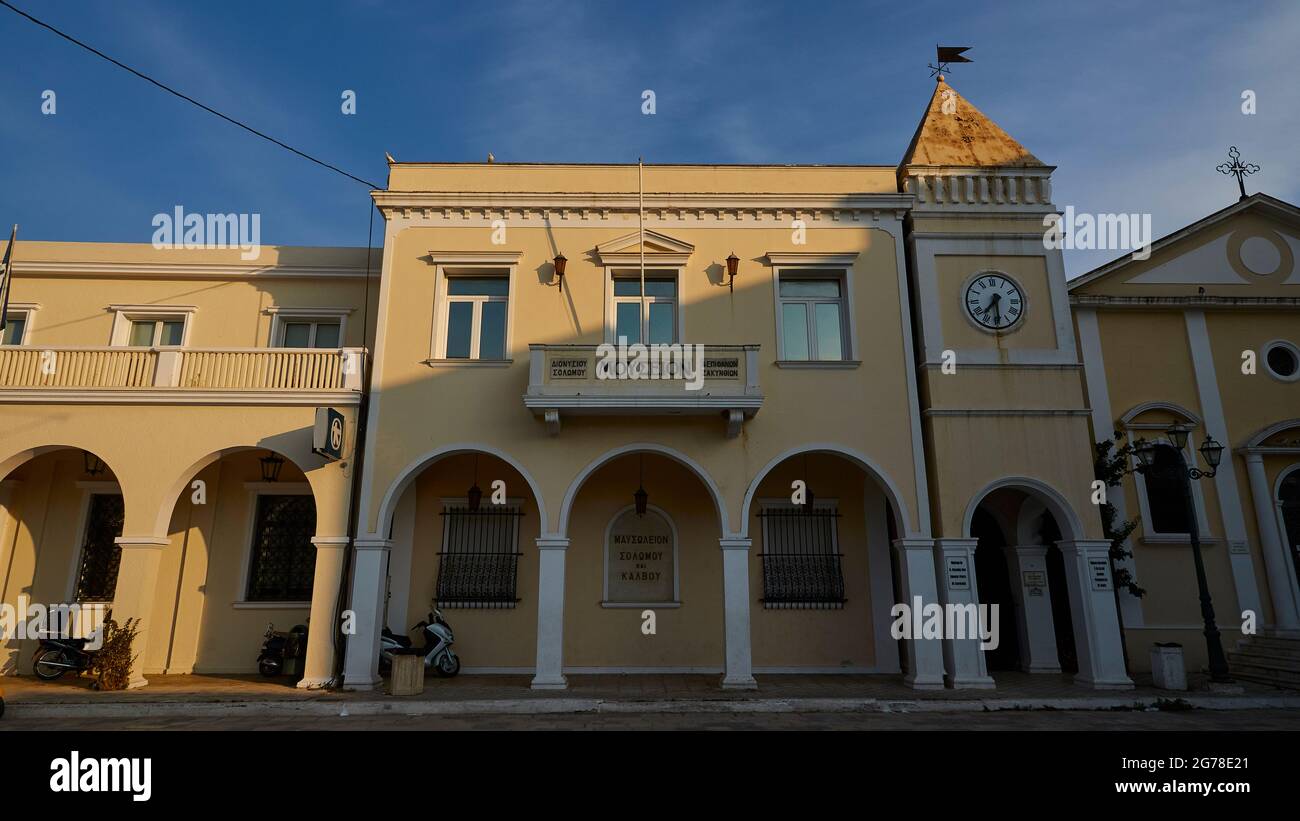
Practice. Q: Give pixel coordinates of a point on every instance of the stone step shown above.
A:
(1288, 681)
(1264, 660)
(1273, 642)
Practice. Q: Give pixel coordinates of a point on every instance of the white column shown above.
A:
(318, 671)
(963, 657)
(735, 602)
(1280, 578)
(1033, 598)
(1092, 610)
(550, 613)
(369, 578)
(916, 574)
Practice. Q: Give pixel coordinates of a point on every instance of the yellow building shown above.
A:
(867, 391)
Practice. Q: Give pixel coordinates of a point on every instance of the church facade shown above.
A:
(736, 420)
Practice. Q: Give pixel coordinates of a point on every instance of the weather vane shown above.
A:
(1238, 169)
(945, 55)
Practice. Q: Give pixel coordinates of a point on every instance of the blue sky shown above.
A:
(1136, 103)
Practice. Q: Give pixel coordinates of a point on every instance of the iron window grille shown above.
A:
(101, 555)
(283, 562)
(802, 567)
(479, 563)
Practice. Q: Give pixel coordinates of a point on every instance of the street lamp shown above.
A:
(1212, 451)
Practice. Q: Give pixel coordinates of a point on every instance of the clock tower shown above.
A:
(1005, 422)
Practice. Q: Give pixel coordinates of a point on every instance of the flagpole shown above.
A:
(6, 279)
(640, 221)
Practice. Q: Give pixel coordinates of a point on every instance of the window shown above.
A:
(476, 317)
(801, 558)
(811, 306)
(15, 328)
(1283, 360)
(660, 316)
(1165, 494)
(100, 553)
(283, 560)
(147, 333)
(479, 562)
(305, 333)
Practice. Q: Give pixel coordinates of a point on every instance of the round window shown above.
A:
(1283, 360)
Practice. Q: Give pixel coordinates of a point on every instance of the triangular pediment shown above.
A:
(1250, 249)
(659, 247)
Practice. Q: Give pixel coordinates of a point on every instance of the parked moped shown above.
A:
(57, 656)
(437, 651)
(283, 653)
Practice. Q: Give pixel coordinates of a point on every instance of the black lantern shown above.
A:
(733, 263)
(271, 464)
(1212, 451)
(1178, 435)
(474, 496)
(641, 498)
(560, 262)
(94, 465)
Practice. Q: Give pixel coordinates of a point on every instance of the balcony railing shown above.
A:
(670, 380)
(266, 370)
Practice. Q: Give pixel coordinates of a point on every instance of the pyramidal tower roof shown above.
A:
(954, 132)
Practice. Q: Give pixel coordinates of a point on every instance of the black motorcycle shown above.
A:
(57, 656)
(283, 653)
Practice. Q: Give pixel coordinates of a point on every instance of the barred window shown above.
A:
(479, 563)
(801, 558)
(1165, 494)
(100, 553)
(283, 562)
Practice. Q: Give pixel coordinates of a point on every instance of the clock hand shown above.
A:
(997, 311)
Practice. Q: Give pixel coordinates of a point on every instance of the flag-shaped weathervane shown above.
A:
(948, 54)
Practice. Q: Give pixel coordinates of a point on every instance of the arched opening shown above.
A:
(460, 523)
(239, 557)
(1288, 506)
(822, 575)
(644, 528)
(1020, 568)
(61, 511)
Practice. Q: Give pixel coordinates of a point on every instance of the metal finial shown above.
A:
(1237, 169)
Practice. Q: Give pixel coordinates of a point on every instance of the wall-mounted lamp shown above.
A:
(560, 262)
(474, 496)
(271, 464)
(641, 498)
(733, 262)
(94, 465)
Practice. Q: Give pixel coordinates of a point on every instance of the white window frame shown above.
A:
(1280, 343)
(1151, 536)
(124, 315)
(282, 316)
(88, 488)
(653, 271)
(677, 576)
(817, 266)
(471, 264)
(255, 489)
(28, 311)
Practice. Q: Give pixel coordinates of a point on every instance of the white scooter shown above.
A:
(437, 651)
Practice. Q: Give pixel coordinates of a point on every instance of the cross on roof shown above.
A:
(1237, 169)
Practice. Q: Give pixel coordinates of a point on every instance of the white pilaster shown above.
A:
(1033, 598)
(1280, 578)
(916, 575)
(549, 674)
(1225, 480)
(369, 578)
(1092, 611)
(735, 603)
(963, 657)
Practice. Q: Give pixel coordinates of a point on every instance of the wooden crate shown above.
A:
(408, 676)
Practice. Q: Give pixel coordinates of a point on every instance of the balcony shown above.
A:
(178, 375)
(578, 380)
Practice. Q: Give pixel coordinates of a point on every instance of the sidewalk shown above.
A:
(207, 695)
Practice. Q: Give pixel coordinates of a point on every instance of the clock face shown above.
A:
(994, 301)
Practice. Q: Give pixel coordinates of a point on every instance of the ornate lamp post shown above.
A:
(1178, 470)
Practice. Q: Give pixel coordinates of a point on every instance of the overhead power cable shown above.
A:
(185, 97)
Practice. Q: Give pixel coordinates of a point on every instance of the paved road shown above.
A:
(1007, 720)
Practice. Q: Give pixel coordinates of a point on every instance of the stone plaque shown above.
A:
(958, 573)
(1100, 573)
(640, 559)
(569, 367)
(1035, 578)
(722, 367)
